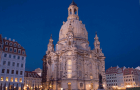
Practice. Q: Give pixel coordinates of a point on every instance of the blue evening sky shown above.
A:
(117, 22)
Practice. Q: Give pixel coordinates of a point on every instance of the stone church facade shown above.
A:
(73, 65)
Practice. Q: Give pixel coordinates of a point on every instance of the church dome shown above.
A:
(79, 29)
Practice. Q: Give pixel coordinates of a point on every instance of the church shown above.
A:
(73, 65)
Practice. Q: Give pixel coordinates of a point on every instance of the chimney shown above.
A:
(13, 40)
(5, 38)
(9, 39)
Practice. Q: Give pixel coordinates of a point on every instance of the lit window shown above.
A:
(1, 78)
(69, 66)
(9, 56)
(5, 55)
(4, 62)
(11, 49)
(15, 50)
(20, 80)
(16, 80)
(11, 79)
(91, 77)
(6, 49)
(6, 78)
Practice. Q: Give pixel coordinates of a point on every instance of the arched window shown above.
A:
(69, 68)
(75, 11)
(70, 11)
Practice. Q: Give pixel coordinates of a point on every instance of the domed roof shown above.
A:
(79, 30)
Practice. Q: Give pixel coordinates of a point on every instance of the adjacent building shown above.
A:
(12, 64)
(122, 78)
(38, 71)
(73, 65)
(32, 81)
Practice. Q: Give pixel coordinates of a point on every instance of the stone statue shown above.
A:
(100, 82)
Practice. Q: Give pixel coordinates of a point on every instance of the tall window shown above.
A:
(23, 52)
(17, 72)
(9, 63)
(6, 49)
(12, 72)
(6, 78)
(20, 72)
(11, 79)
(7, 71)
(15, 50)
(14, 56)
(5, 55)
(9, 56)
(13, 64)
(21, 65)
(6, 43)
(16, 80)
(19, 51)
(22, 58)
(15, 45)
(18, 57)
(20, 80)
(10, 44)
(11, 49)
(69, 69)
(4, 62)
(3, 70)
(1, 78)
(17, 64)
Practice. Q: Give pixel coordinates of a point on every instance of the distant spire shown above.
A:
(96, 37)
(51, 36)
(73, 3)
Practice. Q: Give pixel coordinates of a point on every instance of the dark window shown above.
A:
(15, 50)
(18, 57)
(19, 46)
(5, 55)
(13, 64)
(21, 65)
(6, 43)
(15, 45)
(14, 56)
(12, 72)
(8, 63)
(11, 49)
(20, 72)
(17, 64)
(6, 49)
(23, 52)
(22, 58)
(9, 56)
(4, 62)
(19, 51)
(0, 46)
(10, 44)
(81, 84)
(17, 72)
(3, 70)
(8, 71)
